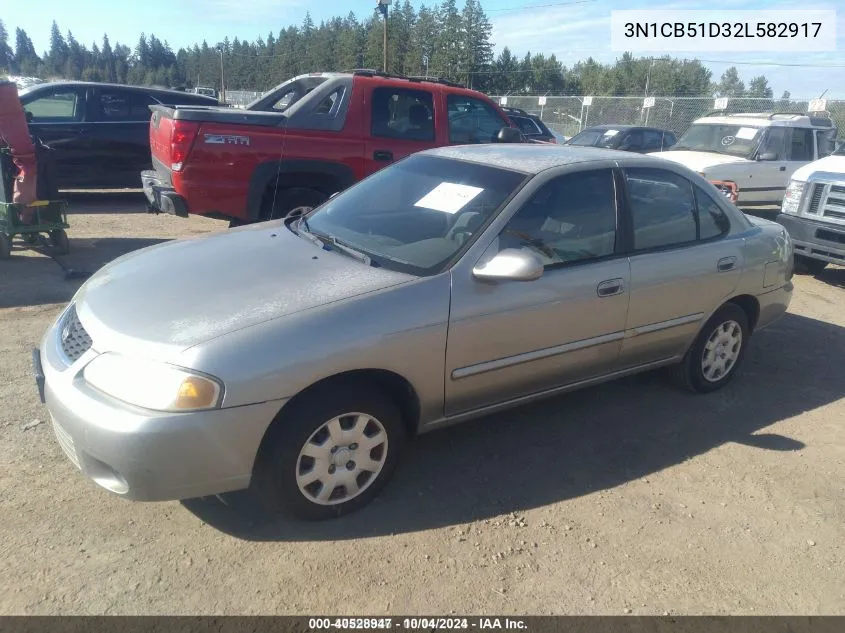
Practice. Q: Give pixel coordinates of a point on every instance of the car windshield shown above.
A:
(602, 137)
(414, 216)
(735, 140)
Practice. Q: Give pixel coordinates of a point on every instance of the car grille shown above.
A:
(74, 339)
(816, 198)
(833, 206)
(66, 442)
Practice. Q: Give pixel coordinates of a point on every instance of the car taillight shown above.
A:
(181, 140)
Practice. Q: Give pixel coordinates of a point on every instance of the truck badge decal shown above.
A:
(226, 139)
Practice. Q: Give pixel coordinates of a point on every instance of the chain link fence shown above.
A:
(569, 115)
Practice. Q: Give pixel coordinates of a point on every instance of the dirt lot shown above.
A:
(627, 498)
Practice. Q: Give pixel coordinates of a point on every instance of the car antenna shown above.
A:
(279, 167)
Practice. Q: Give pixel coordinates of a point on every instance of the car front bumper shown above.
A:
(817, 240)
(145, 455)
(161, 196)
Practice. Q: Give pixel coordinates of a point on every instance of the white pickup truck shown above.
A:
(757, 152)
(813, 212)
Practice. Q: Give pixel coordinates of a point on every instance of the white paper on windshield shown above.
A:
(611, 133)
(448, 197)
(746, 133)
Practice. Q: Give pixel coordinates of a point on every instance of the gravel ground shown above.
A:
(631, 497)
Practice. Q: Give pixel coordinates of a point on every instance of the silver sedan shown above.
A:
(297, 357)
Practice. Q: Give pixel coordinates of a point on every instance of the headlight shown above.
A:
(152, 385)
(792, 198)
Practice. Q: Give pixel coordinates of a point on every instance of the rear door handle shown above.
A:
(611, 287)
(383, 155)
(726, 263)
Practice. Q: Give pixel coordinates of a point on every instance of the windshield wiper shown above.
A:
(324, 240)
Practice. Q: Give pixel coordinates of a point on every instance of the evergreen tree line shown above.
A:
(440, 40)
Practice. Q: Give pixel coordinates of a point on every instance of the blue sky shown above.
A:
(572, 31)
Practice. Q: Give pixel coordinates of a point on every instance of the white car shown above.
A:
(813, 212)
(757, 152)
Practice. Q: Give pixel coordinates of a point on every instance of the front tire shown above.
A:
(718, 350)
(331, 453)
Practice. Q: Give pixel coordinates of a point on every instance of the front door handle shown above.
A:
(611, 287)
(726, 263)
(383, 155)
(783, 168)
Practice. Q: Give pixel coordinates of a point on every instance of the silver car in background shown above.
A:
(297, 357)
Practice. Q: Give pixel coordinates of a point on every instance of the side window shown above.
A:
(140, 108)
(825, 140)
(712, 220)
(285, 101)
(571, 218)
(401, 113)
(633, 141)
(776, 142)
(329, 102)
(472, 120)
(801, 147)
(526, 125)
(662, 208)
(655, 140)
(57, 106)
(113, 106)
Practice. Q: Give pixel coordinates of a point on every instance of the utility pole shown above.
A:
(382, 7)
(647, 81)
(222, 84)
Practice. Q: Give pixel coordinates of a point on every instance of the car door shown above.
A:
(119, 135)
(402, 121)
(632, 141)
(58, 119)
(513, 338)
(684, 263)
(769, 174)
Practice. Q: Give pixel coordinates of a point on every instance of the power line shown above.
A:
(540, 6)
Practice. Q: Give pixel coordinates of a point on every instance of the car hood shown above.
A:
(169, 297)
(831, 165)
(699, 161)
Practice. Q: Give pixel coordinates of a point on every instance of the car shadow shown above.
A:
(576, 444)
(93, 202)
(28, 280)
(833, 276)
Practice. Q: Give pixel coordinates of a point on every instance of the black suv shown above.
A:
(629, 138)
(531, 126)
(100, 133)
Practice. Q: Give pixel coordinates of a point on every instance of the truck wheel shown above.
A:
(289, 202)
(331, 453)
(5, 246)
(809, 265)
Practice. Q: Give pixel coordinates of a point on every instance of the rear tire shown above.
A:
(809, 265)
(290, 202)
(717, 352)
(5, 246)
(319, 449)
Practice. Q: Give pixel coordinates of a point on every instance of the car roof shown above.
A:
(535, 158)
(98, 84)
(766, 119)
(625, 127)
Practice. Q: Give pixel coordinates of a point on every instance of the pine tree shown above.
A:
(476, 47)
(447, 58)
(6, 53)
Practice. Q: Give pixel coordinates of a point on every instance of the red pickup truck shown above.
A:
(311, 137)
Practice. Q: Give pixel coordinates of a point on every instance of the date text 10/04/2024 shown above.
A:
(416, 623)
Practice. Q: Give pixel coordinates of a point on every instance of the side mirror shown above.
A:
(768, 156)
(509, 135)
(511, 264)
(28, 116)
